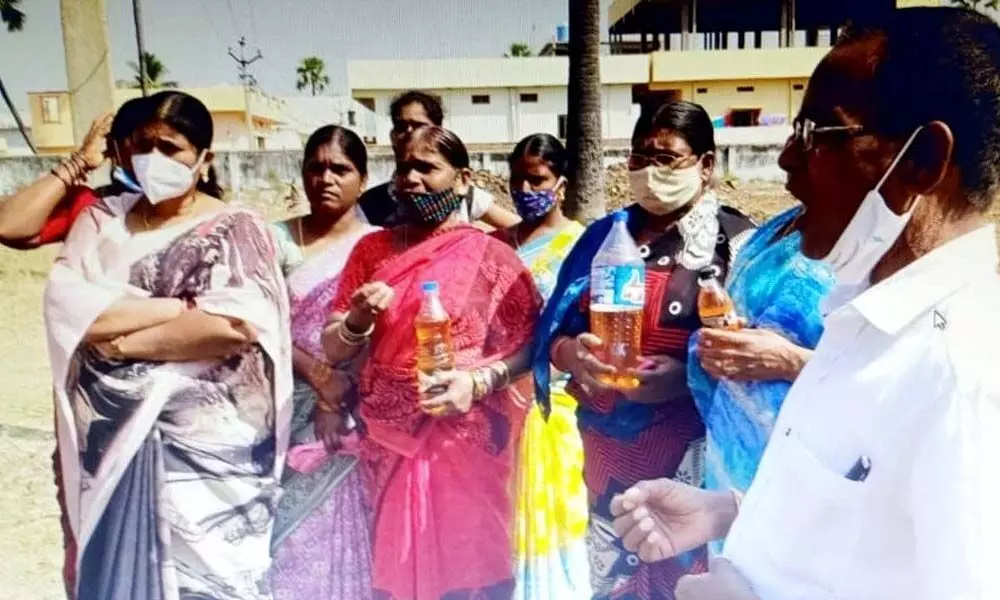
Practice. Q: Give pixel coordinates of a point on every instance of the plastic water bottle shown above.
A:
(617, 299)
(435, 352)
(715, 307)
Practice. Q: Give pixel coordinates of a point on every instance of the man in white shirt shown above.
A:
(880, 478)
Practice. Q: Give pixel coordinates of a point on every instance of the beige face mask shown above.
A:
(663, 190)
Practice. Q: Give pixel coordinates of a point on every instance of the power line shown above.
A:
(209, 19)
(253, 20)
(232, 14)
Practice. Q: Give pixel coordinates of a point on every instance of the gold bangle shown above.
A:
(480, 389)
(350, 338)
(503, 373)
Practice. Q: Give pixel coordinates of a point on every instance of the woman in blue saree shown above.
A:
(739, 379)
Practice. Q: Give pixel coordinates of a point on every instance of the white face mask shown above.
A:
(163, 178)
(870, 234)
(663, 190)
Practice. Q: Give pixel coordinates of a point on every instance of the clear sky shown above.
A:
(191, 36)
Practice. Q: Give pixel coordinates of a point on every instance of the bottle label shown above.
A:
(618, 285)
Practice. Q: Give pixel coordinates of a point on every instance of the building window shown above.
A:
(702, 90)
(352, 118)
(529, 98)
(261, 143)
(50, 109)
(744, 117)
(480, 99)
(368, 103)
(744, 89)
(563, 126)
(798, 87)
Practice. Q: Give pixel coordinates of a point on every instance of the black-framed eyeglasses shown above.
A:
(638, 161)
(806, 130)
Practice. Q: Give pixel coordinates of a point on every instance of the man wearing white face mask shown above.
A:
(878, 480)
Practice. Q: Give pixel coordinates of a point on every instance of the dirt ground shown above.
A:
(30, 542)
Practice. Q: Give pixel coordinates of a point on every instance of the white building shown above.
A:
(502, 100)
(306, 114)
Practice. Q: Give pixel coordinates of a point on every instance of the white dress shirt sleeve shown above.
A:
(955, 495)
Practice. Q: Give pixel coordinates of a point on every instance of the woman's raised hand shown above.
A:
(367, 303)
(94, 149)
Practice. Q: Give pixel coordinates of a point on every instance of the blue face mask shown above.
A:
(120, 175)
(532, 205)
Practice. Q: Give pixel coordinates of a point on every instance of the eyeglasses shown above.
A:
(806, 130)
(637, 161)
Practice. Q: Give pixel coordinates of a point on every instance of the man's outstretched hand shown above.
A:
(663, 518)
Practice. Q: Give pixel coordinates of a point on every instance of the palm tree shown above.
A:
(13, 18)
(978, 4)
(312, 75)
(585, 197)
(518, 50)
(155, 72)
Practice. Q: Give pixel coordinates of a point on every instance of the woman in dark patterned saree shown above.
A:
(167, 321)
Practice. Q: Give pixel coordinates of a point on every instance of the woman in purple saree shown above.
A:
(321, 542)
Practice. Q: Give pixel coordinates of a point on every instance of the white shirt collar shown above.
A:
(895, 302)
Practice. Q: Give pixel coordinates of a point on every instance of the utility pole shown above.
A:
(247, 80)
(88, 68)
(137, 16)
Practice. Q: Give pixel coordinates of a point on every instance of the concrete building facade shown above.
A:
(499, 101)
(746, 61)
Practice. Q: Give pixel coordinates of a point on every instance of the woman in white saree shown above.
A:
(167, 321)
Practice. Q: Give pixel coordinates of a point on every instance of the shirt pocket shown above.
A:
(797, 531)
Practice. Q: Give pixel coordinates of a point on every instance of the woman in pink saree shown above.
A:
(439, 467)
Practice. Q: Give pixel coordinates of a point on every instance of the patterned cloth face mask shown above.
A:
(533, 205)
(434, 208)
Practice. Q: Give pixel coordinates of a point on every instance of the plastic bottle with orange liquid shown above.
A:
(435, 352)
(617, 299)
(715, 307)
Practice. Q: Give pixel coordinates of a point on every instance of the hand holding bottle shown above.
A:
(453, 393)
(577, 357)
(750, 355)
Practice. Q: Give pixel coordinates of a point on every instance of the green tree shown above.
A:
(311, 74)
(585, 196)
(978, 4)
(155, 72)
(13, 18)
(518, 50)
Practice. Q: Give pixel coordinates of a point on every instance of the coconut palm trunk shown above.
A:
(585, 200)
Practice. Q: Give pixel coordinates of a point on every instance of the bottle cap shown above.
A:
(620, 217)
(430, 286)
(706, 274)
